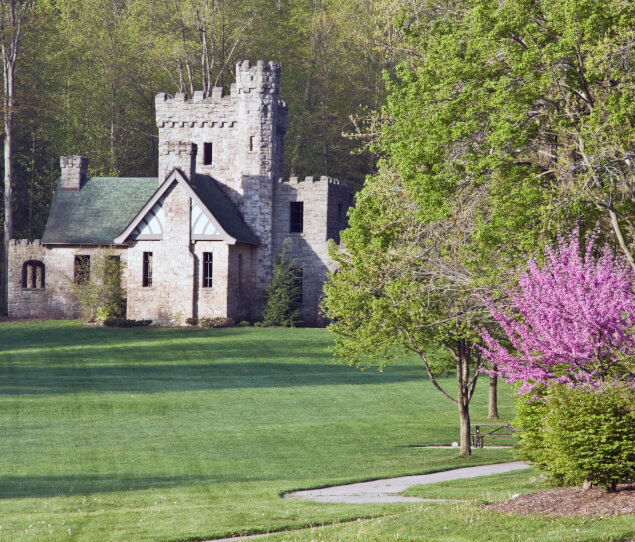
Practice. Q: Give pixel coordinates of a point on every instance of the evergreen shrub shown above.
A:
(580, 434)
(282, 296)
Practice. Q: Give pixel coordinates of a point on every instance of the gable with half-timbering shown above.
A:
(198, 240)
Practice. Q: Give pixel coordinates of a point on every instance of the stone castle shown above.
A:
(200, 239)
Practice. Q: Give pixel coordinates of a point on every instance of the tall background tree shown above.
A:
(88, 71)
(12, 13)
(506, 121)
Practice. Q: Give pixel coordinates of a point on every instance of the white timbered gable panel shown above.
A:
(152, 225)
(202, 226)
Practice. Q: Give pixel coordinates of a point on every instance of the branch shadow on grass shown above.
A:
(18, 487)
(162, 377)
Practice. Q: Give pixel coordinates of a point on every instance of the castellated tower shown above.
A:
(239, 142)
(202, 243)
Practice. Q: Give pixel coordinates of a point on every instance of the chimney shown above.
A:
(178, 154)
(74, 170)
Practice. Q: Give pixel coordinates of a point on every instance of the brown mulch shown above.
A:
(571, 501)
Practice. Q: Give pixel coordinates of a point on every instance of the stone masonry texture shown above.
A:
(237, 138)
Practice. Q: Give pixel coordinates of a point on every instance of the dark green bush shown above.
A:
(577, 435)
(283, 294)
(244, 323)
(191, 321)
(124, 322)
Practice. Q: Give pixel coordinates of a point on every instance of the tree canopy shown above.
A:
(507, 121)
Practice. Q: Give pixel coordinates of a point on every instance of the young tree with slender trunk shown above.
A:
(398, 289)
(12, 13)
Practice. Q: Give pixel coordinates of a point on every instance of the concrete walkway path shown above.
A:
(388, 490)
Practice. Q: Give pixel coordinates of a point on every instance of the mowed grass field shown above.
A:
(187, 434)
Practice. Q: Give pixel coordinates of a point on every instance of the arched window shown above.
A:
(33, 274)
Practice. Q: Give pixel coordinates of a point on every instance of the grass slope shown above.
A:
(467, 521)
(176, 434)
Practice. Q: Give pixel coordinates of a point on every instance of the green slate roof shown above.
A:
(223, 209)
(98, 212)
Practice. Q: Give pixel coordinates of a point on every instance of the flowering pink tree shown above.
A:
(571, 320)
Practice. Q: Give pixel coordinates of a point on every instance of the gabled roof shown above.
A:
(98, 212)
(210, 198)
(223, 209)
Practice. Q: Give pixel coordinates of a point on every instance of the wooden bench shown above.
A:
(478, 435)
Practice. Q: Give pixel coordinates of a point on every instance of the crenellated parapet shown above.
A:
(26, 243)
(313, 179)
(261, 78)
(179, 111)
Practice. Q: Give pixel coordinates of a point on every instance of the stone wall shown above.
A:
(211, 301)
(170, 298)
(243, 295)
(246, 130)
(308, 250)
(56, 299)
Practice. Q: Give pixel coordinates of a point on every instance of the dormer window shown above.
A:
(207, 154)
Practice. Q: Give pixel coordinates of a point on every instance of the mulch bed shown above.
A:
(571, 501)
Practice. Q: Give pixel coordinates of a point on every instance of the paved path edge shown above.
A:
(389, 490)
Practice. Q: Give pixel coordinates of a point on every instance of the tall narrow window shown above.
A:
(297, 274)
(207, 154)
(82, 269)
(251, 143)
(208, 263)
(33, 274)
(147, 269)
(296, 216)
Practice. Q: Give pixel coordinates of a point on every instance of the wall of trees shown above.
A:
(88, 70)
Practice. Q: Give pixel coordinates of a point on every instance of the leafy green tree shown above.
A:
(399, 289)
(507, 120)
(12, 15)
(97, 286)
(283, 294)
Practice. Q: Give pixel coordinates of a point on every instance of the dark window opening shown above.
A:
(82, 269)
(207, 154)
(296, 216)
(251, 143)
(33, 274)
(147, 269)
(297, 274)
(208, 263)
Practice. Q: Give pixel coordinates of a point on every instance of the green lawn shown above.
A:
(177, 434)
(468, 521)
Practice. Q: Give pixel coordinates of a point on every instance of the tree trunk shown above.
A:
(11, 22)
(8, 179)
(492, 410)
(463, 395)
(464, 417)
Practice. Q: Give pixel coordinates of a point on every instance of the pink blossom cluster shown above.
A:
(571, 319)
